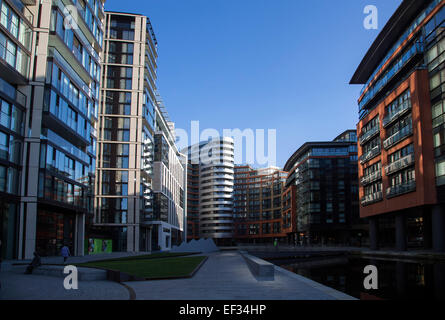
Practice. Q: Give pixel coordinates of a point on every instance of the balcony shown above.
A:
(387, 77)
(398, 136)
(400, 164)
(371, 178)
(374, 152)
(396, 114)
(400, 189)
(29, 2)
(372, 198)
(369, 134)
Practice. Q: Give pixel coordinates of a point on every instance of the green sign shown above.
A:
(96, 246)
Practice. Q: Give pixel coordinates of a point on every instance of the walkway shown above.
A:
(225, 276)
(18, 286)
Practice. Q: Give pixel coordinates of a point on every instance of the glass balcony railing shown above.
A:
(416, 49)
(371, 154)
(400, 164)
(401, 110)
(398, 136)
(369, 134)
(400, 189)
(372, 198)
(371, 178)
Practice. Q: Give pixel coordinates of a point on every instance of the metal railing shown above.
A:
(372, 198)
(369, 134)
(400, 164)
(390, 117)
(398, 136)
(371, 154)
(400, 189)
(371, 177)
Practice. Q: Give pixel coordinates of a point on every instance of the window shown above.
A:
(403, 177)
(438, 111)
(437, 80)
(440, 171)
(401, 153)
(372, 169)
(373, 188)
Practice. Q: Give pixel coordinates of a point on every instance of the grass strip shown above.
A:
(151, 268)
(158, 255)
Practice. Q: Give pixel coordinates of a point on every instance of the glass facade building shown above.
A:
(321, 197)
(134, 140)
(49, 99)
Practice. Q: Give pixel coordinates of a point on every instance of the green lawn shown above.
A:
(151, 268)
(157, 255)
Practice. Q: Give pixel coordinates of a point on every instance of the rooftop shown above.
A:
(391, 32)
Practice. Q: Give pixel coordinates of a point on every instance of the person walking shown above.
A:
(65, 251)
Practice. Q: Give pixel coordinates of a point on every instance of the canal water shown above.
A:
(397, 279)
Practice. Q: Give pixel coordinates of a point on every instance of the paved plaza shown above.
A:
(224, 276)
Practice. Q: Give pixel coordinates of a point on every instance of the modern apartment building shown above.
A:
(50, 72)
(168, 225)
(257, 204)
(402, 129)
(192, 201)
(139, 202)
(215, 160)
(320, 201)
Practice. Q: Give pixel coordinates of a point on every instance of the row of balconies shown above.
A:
(374, 152)
(387, 143)
(398, 136)
(397, 113)
(389, 169)
(369, 134)
(391, 192)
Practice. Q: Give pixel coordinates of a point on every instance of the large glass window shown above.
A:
(115, 155)
(117, 129)
(115, 183)
(438, 114)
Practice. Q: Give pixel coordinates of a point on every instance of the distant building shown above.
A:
(321, 194)
(210, 190)
(257, 204)
(402, 129)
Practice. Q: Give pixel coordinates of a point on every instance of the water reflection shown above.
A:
(398, 280)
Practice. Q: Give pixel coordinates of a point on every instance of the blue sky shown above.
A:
(261, 64)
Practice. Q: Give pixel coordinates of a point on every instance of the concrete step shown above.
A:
(84, 274)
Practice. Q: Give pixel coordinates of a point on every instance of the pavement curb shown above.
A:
(328, 290)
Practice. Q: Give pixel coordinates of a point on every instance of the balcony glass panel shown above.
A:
(372, 198)
(370, 154)
(369, 134)
(397, 113)
(400, 164)
(398, 136)
(401, 189)
(371, 178)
